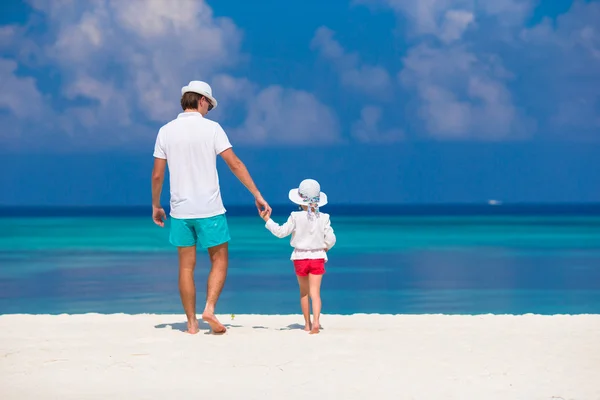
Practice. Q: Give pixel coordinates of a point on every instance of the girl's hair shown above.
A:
(305, 208)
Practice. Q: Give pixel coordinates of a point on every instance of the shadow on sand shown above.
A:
(292, 327)
(182, 326)
(295, 327)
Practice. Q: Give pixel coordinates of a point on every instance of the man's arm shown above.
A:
(241, 172)
(158, 177)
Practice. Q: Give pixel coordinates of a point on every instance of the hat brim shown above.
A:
(295, 198)
(213, 101)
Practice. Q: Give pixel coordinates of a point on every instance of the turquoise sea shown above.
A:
(421, 259)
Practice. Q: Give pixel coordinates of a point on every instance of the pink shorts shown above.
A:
(309, 266)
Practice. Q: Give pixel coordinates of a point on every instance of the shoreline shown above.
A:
(419, 356)
(298, 315)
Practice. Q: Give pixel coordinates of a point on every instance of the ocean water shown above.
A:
(438, 259)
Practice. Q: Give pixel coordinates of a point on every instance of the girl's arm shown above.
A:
(281, 231)
(330, 238)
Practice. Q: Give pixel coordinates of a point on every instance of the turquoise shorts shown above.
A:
(207, 232)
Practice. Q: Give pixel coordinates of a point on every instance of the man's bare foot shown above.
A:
(192, 327)
(307, 327)
(217, 327)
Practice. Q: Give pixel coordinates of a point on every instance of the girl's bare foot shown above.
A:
(315, 328)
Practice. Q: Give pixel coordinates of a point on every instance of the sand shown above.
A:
(121, 356)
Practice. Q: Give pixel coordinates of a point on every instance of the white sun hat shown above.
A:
(202, 88)
(309, 192)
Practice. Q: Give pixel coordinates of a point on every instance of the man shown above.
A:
(190, 144)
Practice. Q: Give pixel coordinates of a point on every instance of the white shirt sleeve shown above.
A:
(221, 140)
(281, 231)
(159, 147)
(330, 238)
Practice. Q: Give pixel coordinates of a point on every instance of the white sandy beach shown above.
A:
(267, 357)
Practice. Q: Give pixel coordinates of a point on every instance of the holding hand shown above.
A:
(262, 205)
(265, 215)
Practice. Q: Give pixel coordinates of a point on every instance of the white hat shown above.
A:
(202, 88)
(308, 192)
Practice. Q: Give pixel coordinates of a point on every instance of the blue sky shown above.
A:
(382, 101)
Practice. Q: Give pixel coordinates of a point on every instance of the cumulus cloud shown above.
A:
(367, 129)
(121, 66)
(439, 17)
(282, 115)
(7, 34)
(465, 58)
(21, 103)
(455, 24)
(462, 91)
(139, 51)
(18, 94)
(567, 51)
(369, 79)
(461, 94)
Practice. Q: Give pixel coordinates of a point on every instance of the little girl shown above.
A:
(312, 237)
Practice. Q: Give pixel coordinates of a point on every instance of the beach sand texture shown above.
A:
(120, 356)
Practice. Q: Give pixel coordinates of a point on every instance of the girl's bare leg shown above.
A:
(303, 284)
(314, 288)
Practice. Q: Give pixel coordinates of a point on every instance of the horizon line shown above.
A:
(497, 203)
(394, 209)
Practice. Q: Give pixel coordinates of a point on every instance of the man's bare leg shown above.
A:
(187, 286)
(303, 284)
(314, 287)
(219, 258)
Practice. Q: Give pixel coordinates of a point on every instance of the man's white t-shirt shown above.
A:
(190, 144)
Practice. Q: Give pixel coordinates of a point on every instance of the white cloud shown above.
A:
(22, 108)
(19, 95)
(279, 115)
(231, 88)
(508, 12)
(449, 18)
(478, 73)
(122, 65)
(461, 88)
(275, 115)
(153, 44)
(368, 79)
(461, 95)
(567, 53)
(367, 128)
(111, 103)
(455, 24)
(155, 18)
(576, 30)
(7, 35)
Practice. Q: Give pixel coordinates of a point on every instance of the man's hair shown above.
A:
(189, 101)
